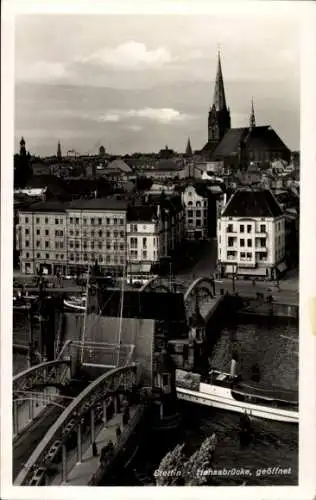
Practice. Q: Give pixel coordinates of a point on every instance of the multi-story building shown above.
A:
(251, 235)
(195, 199)
(155, 229)
(67, 238)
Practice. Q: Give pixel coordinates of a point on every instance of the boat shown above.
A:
(227, 391)
(75, 303)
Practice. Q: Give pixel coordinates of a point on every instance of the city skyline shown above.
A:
(133, 87)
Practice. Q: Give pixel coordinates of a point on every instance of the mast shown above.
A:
(85, 316)
(124, 277)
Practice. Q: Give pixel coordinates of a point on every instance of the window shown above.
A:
(249, 243)
(27, 243)
(134, 254)
(77, 220)
(71, 233)
(100, 221)
(71, 220)
(92, 244)
(249, 255)
(165, 379)
(47, 255)
(190, 193)
(100, 245)
(230, 228)
(92, 234)
(77, 257)
(27, 231)
(71, 256)
(84, 220)
(248, 228)
(198, 213)
(122, 223)
(121, 246)
(26, 220)
(38, 244)
(262, 228)
(85, 244)
(122, 234)
(190, 213)
(134, 228)
(242, 255)
(57, 255)
(85, 256)
(198, 222)
(77, 233)
(77, 244)
(100, 234)
(115, 246)
(231, 241)
(144, 228)
(108, 258)
(46, 232)
(242, 242)
(38, 220)
(242, 228)
(61, 255)
(144, 254)
(27, 255)
(108, 246)
(71, 244)
(115, 259)
(190, 203)
(61, 221)
(46, 244)
(144, 242)
(231, 254)
(122, 260)
(108, 221)
(115, 234)
(190, 222)
(115, 221)
(56, 221)
(198, 204)
(108, 234)
(38, 255)
(100, 258)
(263, 242)
(134, 242)
(92, 221)
(46, 220)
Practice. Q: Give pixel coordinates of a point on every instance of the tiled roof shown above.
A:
(47, 206)
(252, 203)
(141, 213)
(120, 165)
(110, 203)
(165, 165)
(230, 142)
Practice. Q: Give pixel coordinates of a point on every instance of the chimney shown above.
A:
(233, 368)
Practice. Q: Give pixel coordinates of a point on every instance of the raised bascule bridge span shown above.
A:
(59, 457)
(199, 292)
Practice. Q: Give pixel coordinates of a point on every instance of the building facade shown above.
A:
(196, 213)
(68, 238)
(251, 236)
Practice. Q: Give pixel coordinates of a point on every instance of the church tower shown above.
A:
(219, 114)
(22, 147)
(252, 119)
(59, 156)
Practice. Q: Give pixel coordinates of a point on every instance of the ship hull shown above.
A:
(228, 403)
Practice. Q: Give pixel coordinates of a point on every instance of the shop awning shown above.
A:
(256, 271)
(281, 267)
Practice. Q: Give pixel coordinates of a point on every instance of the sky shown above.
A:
(138, 83)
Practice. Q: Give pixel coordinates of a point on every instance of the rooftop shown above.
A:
(252, 203)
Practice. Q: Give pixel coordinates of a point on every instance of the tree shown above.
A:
(175, 469)
(22, 170)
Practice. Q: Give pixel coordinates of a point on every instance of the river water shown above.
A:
(274, 347)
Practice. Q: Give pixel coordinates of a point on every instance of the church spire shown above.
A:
(188, 150)
(219, 100)
(59, 151)
(252, 120)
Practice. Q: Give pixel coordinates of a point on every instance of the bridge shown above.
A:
(199, 292)
(36, 388)
(87, 422)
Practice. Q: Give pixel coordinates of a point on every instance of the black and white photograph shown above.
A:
(156, 196)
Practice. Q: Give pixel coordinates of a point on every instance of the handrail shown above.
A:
(46, 364)
(51, 433)
(194, 283)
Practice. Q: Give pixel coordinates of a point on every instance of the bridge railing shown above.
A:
(97, 391)
(48, 371)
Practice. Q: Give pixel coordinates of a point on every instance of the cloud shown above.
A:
(160, 115)
(41, 71)
(130, 55)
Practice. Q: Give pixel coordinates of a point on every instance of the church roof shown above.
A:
(262, 137)
(219, 100)
(252, 203)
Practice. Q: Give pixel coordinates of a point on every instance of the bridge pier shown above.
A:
(79, 443)
(92, 425)
(105, 416)
(64, 463)
(31, 409)
(15, 411)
